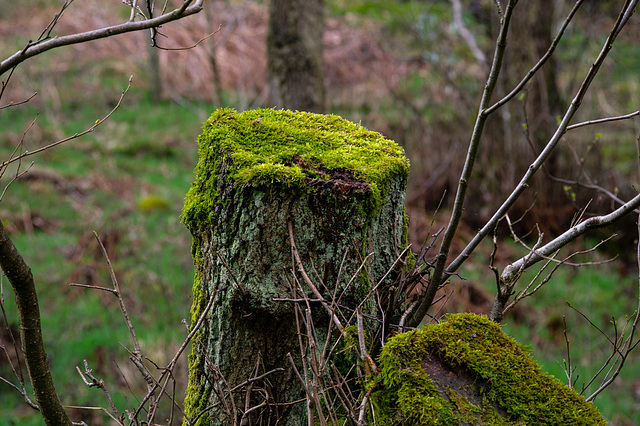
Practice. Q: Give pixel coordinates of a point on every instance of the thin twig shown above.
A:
(12, 103)
(192, 46)
(312, 286)
(604, 120)
(100, 384)
(75, 136)
(41, 46)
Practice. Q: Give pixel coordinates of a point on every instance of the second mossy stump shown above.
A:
(466, 370)
(340, 188)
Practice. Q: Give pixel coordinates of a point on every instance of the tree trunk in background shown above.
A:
(243, 256)
(521, 130)
(153, 66)
(532, 32)
(294, 54)
(210, 15)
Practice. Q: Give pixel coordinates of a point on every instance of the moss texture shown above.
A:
(301, 151)
(466, 370)
(342, 188)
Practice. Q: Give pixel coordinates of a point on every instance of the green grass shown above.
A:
(126, 181)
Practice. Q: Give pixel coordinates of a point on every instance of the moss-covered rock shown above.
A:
(339, 185)
(466, 370)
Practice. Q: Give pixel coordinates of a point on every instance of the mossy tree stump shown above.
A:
(342, 189)
(466, 370)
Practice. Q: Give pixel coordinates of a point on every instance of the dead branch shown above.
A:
(19, 274)
(99, 383)
(45, 43)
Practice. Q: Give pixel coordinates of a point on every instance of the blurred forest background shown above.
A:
(412, 70)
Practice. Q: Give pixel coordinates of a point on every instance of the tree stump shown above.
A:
(340, 188)
(466, 370)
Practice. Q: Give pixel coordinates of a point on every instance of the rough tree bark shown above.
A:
(340, 187)
(294, 54)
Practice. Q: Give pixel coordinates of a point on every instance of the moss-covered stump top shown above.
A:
(298, 151)
(466, 370)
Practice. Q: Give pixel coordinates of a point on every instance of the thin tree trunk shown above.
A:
(294, 54)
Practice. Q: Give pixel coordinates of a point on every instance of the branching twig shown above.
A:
(101, 385)
(567, 367)
(40, 46)
(458, 206)
(24, 101)
(560, 131)
(17, 370)
(192, 46)
(568, 236)
(75, 136)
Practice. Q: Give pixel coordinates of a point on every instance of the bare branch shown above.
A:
(24, 101)
(20, 277)
(100, 384)
(75, 136)
(628, 344)
(604, 120)
(540, 63)
(568, 236)
(193, 45)
(567, 367)
(548, 149)
(40, 46)
(458, 206)
(177, 355)
(17, 371)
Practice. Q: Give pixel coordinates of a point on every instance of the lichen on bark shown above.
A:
(341, 187)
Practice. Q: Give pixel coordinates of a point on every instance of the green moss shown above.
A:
(298, 150)
(196, 398)
(505, 379)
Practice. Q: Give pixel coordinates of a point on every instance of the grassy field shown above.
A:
(127, 180)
